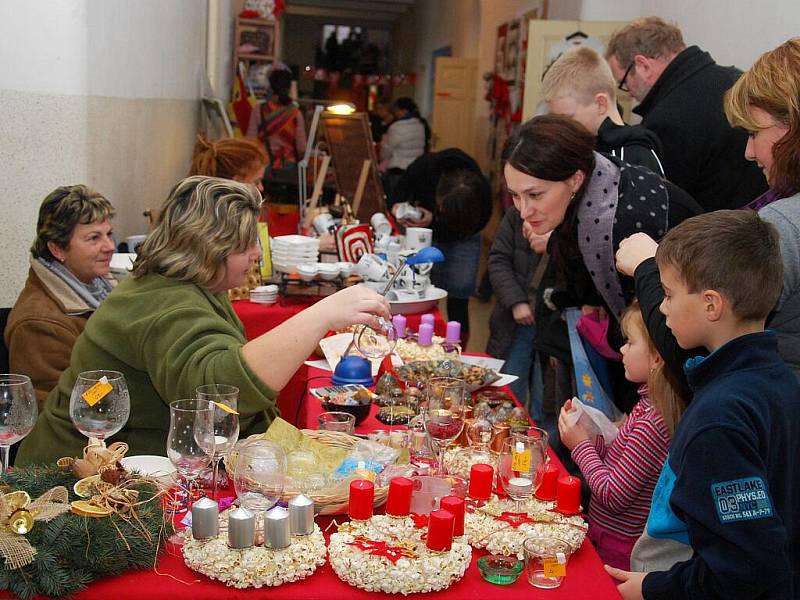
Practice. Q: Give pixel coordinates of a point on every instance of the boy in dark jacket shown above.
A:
(728, 489)
(580, 85)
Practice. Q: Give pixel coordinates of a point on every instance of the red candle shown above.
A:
(480, 482)
(455, 505)
(362, 494)
(440, 530)
(549, 485)
(399, 501)
(568, 495)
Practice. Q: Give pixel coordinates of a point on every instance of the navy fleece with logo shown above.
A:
(729, 487)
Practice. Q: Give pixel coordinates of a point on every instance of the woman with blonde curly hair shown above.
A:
(766, 102)
(170, 327)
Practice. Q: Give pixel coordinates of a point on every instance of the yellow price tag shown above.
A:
(521, 461)
(553, 567)
(97, 392)
(226, 408)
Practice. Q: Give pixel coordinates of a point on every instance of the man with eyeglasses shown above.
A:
(680, 92)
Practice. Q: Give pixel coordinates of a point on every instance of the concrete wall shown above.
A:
(102, 92)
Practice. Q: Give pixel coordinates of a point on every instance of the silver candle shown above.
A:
(241, 528)
(301, 515)
(205, 519)
(276, 528)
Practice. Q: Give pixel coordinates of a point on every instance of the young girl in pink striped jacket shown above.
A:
(622, 476)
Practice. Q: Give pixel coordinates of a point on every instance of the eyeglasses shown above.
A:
(622, 85)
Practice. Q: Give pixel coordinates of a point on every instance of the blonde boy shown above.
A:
(579, 84)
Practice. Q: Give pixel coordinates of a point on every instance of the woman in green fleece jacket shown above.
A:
(170, 327)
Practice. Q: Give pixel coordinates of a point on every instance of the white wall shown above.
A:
(102, 92)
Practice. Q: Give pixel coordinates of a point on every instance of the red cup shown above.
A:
(455, 505)
(568, 496)
(399, 502)
(440, 530)
(362, 495)
(480, 482)
(549, 486)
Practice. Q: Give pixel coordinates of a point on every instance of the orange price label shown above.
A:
(521, 461)
(97, 392)
(555, 566)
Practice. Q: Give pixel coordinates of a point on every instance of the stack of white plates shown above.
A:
(265, 294)
(288, 251)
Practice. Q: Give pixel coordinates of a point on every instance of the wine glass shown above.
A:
(100, 404)
(18, 411)
(519, 465)
(190, 442)
(226, 420)
(444, 415)
(375, 343)
(259, 475)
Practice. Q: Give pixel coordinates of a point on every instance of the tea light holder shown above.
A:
(301, 515)
(241, 528)
(205, 519)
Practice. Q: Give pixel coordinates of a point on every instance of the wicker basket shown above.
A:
(330, 504)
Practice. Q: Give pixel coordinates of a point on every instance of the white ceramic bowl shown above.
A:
(158, 467)
(345, 268)
(328, 271)
(431, 299)
(307, 272)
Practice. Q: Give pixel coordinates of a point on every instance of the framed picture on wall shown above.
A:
(255, 38)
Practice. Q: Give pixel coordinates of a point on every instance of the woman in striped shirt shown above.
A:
(622, 476)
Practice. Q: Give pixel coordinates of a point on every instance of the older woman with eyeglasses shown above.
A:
(170, 327)
(67, 281)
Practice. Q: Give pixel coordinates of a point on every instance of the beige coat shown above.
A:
(42, 328)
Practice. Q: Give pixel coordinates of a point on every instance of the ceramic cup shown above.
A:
(380, 224)
(373, 268)
(417, 238)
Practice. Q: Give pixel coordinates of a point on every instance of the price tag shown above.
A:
(226, 408)
(555, 566)
(97, 392)
(521, 461)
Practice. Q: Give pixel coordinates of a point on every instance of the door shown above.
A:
(453, 118)
(547, 40)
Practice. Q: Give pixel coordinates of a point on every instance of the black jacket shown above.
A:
(634, 144)
(418, 186)
(702, 153)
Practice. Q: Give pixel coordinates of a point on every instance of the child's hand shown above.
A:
(631, 586)
(571, 435)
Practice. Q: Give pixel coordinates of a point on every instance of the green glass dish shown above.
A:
(499, 569)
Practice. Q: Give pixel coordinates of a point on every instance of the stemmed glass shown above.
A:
(18, 411)
(190, 442)
(226, 422)
(100, 404)
(520, 463)
(259, 475)
(375, 343)
(444, 415)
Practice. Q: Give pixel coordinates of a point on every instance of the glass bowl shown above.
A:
(499, 569)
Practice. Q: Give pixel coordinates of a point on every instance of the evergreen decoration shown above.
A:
(73, 550)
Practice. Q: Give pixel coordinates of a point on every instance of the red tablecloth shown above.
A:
(260, 318)
(172, 579)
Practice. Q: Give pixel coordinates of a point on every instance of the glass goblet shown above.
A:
(190, 441)
(375, 343)
(18, 412)
(519, 466)
(259, 475)
(100, 404)
(226, 421)
(444, 415)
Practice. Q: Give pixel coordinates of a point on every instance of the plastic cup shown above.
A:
(546, 560)
(336, 421)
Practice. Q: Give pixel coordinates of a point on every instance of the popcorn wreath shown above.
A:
(257, 566)
(388, 554)
(501, 529)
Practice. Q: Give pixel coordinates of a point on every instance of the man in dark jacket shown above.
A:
(680, 91)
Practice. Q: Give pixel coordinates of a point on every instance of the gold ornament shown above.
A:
(17, 517)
